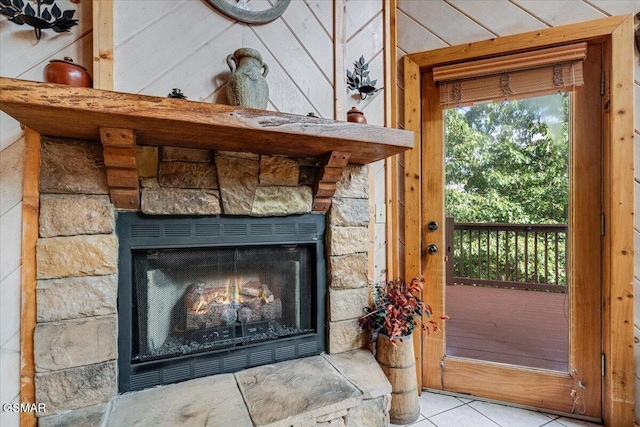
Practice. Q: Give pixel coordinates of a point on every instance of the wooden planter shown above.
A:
(398, 363)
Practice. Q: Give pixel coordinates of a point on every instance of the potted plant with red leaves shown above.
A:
(396, 312)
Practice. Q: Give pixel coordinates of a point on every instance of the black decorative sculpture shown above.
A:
(177, 94)
(21, 14)
(359, 80)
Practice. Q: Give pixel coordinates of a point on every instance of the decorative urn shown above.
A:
(66, 72)
(356, 116)
(247, 86)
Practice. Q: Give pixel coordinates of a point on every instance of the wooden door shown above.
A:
(577, 388)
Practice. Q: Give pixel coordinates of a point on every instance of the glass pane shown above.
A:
(194, 300)
(507, 201)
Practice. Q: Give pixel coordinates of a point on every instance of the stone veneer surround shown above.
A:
(76, 334)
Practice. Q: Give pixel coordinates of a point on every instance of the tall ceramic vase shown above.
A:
(247, 86)
(399, 365)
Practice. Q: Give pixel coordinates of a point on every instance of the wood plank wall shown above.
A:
(308, 50)
(299, 48)
(438, 23)
(157, 46)
(24, 57)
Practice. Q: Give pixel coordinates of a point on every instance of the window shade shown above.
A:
(539, 72)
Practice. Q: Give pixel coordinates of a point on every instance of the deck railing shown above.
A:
(522, 256)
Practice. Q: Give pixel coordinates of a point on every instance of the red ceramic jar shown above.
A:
(66, 72)
(356, 116)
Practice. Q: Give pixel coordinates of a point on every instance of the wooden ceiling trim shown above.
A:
(513, 44)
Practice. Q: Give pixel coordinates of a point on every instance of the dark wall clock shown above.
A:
(249, 16)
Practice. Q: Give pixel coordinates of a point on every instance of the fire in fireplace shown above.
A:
(206, 295)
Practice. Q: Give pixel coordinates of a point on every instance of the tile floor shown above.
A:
(440, 410)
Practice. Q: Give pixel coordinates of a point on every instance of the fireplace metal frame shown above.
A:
(138, 231)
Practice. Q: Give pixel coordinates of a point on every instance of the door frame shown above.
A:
(550, 390)
(616, 34)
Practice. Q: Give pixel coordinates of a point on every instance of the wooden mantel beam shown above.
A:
(72, 112)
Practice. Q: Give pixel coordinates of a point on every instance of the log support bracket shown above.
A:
(119, 151)
(329, 174)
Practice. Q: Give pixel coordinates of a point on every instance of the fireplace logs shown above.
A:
(210, 306)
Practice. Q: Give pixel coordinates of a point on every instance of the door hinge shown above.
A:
(602, 83)
(603, 364)
(602, 224)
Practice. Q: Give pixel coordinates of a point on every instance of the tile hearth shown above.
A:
(348, 389)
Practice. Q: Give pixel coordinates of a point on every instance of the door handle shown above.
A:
(432, 249)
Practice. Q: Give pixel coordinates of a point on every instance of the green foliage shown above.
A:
(505, 163)
(508, 162)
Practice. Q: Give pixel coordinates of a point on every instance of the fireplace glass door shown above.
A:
(207, 295)
(202, 299)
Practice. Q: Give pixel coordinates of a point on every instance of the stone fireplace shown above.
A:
(179, 162)
(76, 347)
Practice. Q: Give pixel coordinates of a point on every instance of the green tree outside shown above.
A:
(507, 162)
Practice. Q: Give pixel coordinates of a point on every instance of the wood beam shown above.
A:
(618, 292)
(47, 109)
(103, 44)
(339, 54)
(413, 190)
(119, 152)
(510, 44)
(391, 163)
(30, 213)
(412, 184)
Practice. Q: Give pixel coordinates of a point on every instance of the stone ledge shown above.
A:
(211, 401)
(314, 391)
(293, 392)
(361, 368)
(87, 416)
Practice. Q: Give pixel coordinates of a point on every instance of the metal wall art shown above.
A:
(176, 94)
(21, 14)
(359, 80)
(241, 11)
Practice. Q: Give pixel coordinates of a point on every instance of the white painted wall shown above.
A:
(425, 25)
(24, 57)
